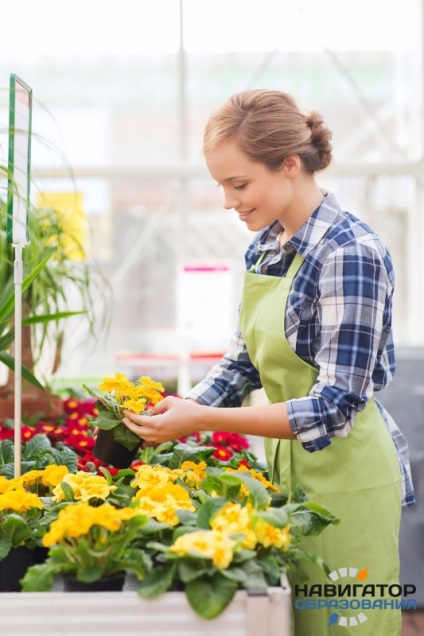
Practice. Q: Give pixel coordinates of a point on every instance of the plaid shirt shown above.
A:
(338, 319)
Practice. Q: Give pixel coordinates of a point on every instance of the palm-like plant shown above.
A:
(51, 279)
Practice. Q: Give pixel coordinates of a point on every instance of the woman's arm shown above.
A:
(173, 418)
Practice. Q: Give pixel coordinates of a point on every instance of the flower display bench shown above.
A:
(126, 614)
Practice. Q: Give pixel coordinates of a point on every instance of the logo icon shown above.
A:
(339, 619)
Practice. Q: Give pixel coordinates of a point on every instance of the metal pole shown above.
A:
(18, 279)
(183, 380)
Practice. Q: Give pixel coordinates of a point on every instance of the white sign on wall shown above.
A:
(205, 306)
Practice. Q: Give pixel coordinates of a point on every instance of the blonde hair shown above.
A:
(268, 127)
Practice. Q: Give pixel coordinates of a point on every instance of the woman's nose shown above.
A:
(230, 201)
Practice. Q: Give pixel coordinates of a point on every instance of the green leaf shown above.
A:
(8, 304)
(157, 581)
(68, 491)
(210, 596)
(235, 574)
(106, 422)
(5, 546)
(208, 510)
(36, 446)
(277, 517)
(7, 452)
(9, 361)
(258, 493)
(255, 575)
(59, 315)
(39, 578)
(124, 436)
(17, 529)
(184, 452)
(310, 519)
(187, 517)
(67, 457)
(190, 569)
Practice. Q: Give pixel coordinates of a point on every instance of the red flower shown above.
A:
(237, 442)
(27, 433)
(222, 453)
(80, 443)
(71, 404)
(219, 437)
(6, 433)
(244, 462)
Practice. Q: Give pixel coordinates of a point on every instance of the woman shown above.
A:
(315, 333)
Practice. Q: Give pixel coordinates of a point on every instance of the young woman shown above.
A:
(315, 333)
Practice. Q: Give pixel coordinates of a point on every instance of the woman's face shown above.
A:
(258, 195)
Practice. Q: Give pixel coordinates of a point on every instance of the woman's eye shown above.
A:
(240, 187)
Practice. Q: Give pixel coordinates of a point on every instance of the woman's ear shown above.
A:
(291, 166)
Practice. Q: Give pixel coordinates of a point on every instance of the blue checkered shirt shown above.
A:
(338, 319)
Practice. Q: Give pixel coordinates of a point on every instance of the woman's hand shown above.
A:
(170, 419)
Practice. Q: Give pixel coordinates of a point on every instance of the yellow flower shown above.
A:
(85, 486)
(53, 474)
(19, 500)
(233, 519)
(270, 535)
(148, 477)
(137, 406)
(151, 384)
(148, 507)
(30, 477)
(8, 484)
(212, 544)
(194, 473)
(111, 384)
(76, 520)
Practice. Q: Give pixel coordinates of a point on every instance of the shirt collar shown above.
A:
(311, 232)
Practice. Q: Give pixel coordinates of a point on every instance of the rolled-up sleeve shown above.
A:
(353, 305)
(229, 381)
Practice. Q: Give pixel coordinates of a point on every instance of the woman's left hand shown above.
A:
(170, 419)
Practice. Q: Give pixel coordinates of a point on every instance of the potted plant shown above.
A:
(20, 532)
(116, 444)
(91, 547)
(54, 279)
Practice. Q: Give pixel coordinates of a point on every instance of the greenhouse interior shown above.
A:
(149, 252)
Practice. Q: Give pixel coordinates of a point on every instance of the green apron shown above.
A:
(357, 478)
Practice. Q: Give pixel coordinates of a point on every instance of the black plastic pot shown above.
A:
(109, 451)
(113, 583)
(13, 568)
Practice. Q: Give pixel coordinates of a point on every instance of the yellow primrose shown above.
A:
(151, 384)
(53, 474)
(270, 535)
(233, 519)
(168, 511)
(19, 500)
(8, 484)
(111, 384)
(194, 473)
(85, 486)
(77, 520)
(173, 490)
(256, 475)
(206, 543)
(148, 507)
(148, 477)
(137, 406)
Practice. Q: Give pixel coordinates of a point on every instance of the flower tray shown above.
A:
(127, 614)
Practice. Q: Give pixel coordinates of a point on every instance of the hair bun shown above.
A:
(321, 138)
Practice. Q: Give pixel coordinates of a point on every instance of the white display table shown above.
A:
(127, 614)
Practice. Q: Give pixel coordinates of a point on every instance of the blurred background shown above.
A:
(122, 92)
